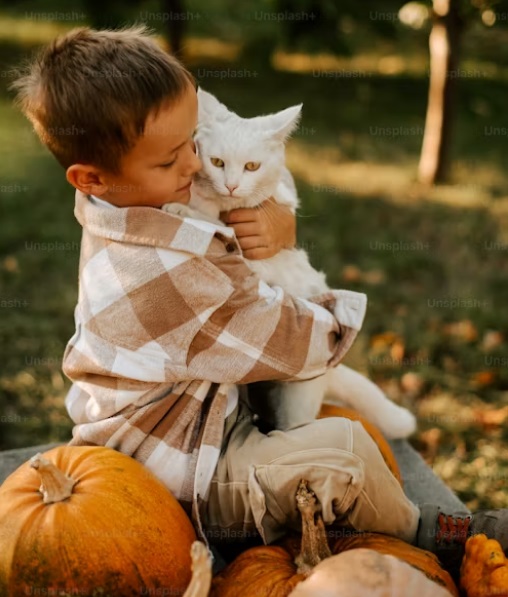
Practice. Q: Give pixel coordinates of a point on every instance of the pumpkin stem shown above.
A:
(56, 486)
(314, 542)
(201, 580)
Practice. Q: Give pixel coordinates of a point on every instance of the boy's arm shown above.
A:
(199, 318)
(261, 333)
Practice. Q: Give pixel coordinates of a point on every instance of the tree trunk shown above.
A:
(176, 25)
(108, 15)
(444, 58)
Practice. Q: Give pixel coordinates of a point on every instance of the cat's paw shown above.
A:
(401, 424)
(179, 209)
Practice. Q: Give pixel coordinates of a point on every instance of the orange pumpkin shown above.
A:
(100, 523)
(330, 410)
(276, 570)
(266, 570)
(484, 570)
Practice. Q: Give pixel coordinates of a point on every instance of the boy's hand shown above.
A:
(264, 230)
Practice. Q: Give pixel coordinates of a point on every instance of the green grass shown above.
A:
(358, 201)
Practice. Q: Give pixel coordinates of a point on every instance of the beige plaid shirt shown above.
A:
(169, 320)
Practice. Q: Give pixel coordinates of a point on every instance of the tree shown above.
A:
(449, 20)
(176, 25)
(444, 43)
(116, 13)
(108, 15)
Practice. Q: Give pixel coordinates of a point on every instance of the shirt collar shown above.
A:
(98, 201)
(151, 226)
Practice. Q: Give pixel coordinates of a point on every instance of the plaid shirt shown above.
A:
(169, 320)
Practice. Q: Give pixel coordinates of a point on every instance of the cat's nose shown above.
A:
(231, 188)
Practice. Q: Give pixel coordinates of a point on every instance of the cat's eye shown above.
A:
(252, 166)
(217, 162)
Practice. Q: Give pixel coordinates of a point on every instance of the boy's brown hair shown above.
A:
(89, 93)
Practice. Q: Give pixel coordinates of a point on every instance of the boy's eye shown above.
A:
(217, 162)
(168, 165)
(252, 166)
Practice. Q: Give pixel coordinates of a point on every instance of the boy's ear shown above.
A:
(87, 179)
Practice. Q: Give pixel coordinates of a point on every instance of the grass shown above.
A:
(433, 263)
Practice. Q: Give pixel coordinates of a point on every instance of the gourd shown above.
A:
(423, 560)
(484, 569)
(88, 520)
(276, 570)
(364, 572)
(330, 410)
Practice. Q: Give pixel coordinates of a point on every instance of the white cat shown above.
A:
(244, 164)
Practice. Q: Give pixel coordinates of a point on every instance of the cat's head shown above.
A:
(243, 158)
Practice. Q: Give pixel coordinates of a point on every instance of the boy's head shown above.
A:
(117, 112)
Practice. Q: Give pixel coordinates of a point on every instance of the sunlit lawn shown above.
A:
(433, 263)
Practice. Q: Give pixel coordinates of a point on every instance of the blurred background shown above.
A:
(404, 196)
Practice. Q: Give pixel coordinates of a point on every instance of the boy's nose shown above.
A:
(197, 164)
(193, 165)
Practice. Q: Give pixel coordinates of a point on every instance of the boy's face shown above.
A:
(159, 168)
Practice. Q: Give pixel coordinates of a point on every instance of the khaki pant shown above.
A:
(254, 485)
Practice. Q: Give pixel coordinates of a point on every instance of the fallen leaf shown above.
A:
(484, 378)
(491, 340)
(464, 330)
(384, 340)
(412, 382)
(431, 439)
(401, 310)
(374, 277)
(449, 363)
(490, 418)
(351, 273)
(11, 264)
(57, 380)
(461, 449)
(397, 351)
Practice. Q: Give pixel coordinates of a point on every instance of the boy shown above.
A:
(171, 322)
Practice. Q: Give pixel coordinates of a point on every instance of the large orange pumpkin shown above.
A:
(330, 410)
(100, 524)
(275, 570)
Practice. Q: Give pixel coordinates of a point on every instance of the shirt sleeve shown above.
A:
(262, 333)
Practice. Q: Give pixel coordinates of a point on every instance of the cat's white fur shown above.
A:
(237, 141)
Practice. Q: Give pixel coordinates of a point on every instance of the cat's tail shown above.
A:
(352, 389)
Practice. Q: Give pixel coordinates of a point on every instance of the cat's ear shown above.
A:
(281, 124)
(209, 107)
